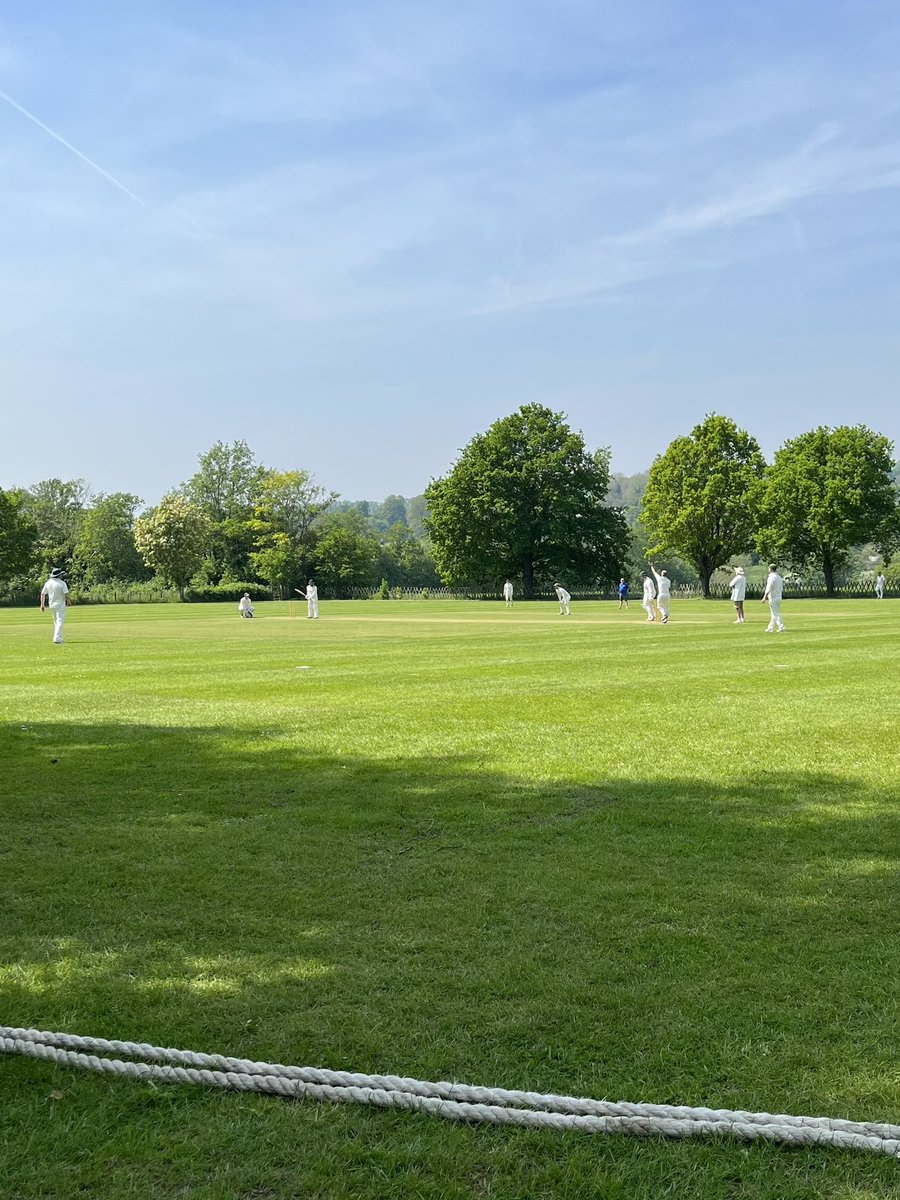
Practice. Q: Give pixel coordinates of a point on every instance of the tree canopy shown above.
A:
(289, 504)
(172, 539)
(701, 496)
(56, 508)
(227, 487)
(526, 499)
(105, 549)
(826, 491)
(17, 535)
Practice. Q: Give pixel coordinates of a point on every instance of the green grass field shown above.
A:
(587, 856)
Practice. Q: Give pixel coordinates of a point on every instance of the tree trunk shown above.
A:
(828, 572)
(705, 576)
(527, 577)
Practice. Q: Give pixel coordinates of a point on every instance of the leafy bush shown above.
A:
(226, 591)
(384, 591)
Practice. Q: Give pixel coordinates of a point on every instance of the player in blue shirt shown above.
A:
(623, 593)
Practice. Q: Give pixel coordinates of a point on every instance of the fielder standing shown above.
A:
(879, 585)
(664, 592)
(738, 587)
(55, 596)
(508, 593)
(564, 598)
(773, 593)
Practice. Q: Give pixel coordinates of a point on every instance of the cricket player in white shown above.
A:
(738, 586)
(55, 596)
(649, 596)
(508, 593)
(773, 593)
(312, 602)
(879, 585)
(564, 599)
(245, 605)
(664, 592)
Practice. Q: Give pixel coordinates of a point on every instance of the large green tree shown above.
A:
(526, 499)
(826, 491)
(17, 536)
(56, 507)
(227, 487)
(701, 496)
(172, 539)
(105, 549)
(289, 504)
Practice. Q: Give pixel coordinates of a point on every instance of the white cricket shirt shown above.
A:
(56, 591)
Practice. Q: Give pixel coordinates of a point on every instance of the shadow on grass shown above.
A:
(684, 941)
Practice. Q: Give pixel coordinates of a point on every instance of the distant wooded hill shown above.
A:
(625, 492)
(392, 510)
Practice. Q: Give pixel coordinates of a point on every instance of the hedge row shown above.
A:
(153, 593)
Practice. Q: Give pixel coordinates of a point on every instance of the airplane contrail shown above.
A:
(74, 149)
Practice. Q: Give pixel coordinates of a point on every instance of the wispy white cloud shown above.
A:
(819, 167)
(823, 166)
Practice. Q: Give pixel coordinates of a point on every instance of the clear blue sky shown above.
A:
(355, 233)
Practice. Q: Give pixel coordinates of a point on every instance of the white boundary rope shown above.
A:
(453, 1101)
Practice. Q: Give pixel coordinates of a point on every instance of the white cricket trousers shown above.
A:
(775, 621)
(59, 615)
(312, 609)
(662, 603)
(648, 608)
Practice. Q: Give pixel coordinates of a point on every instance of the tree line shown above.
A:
(233, 522)
(526, 500)
(712, 496)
